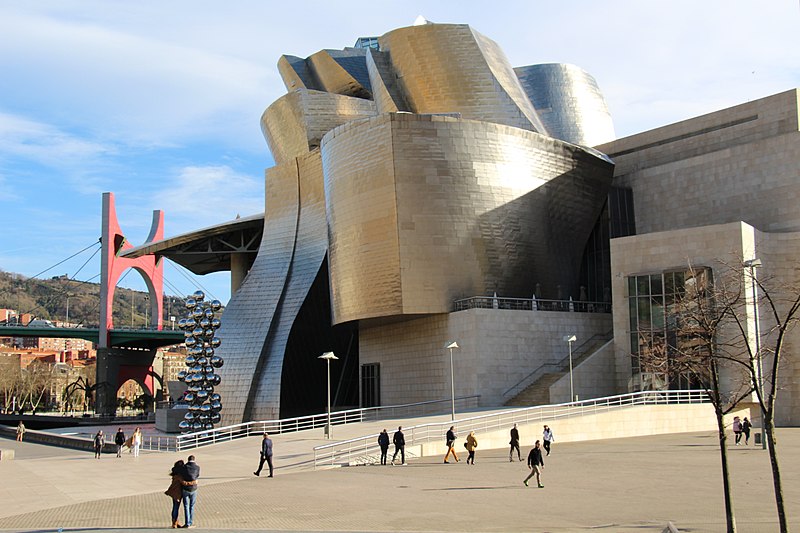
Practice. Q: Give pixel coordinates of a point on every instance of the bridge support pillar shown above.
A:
(117, 365)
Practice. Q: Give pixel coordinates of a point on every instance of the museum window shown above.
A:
(657, 332)
(371, 385)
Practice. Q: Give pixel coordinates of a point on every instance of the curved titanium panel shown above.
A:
(309, 252)
(295, 73)
(449, 68)
(423, 210)
(387, 95)
(296, 122)
(342, 72)
(569, 102)
(251, 310)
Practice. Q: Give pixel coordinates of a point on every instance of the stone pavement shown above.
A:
(620, 485)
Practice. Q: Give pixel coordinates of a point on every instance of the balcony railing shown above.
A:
(530, 304)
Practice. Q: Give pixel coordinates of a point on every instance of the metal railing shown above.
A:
(288, 425)
(365, 450)
(530, 304)
(557, 366)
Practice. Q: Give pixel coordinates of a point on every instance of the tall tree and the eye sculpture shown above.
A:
(200, 327)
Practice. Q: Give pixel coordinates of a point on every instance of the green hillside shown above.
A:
(47, 298)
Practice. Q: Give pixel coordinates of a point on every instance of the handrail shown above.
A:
(558, 365)
(288, 425)
(530, 304)
(363, 449)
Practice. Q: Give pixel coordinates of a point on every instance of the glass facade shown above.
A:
(367, 42)
(657, 331)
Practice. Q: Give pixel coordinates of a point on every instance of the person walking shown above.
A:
(189, 474)
(99, 442)
(137, 441)
(399, 441)
(470, 445)
(119, 440)
(175, 490)
(547, 437)
(514, 442)
(20, 431)
(536, 464)
(746, 425)
(737, 429)
(450, 440)
(383, 442)
(266, 455)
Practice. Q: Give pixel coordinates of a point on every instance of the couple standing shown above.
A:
(183, 489)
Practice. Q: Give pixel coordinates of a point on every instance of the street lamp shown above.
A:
(450, 346)
(146, 309)
(753, 264)
(328, 356)
(569, 339)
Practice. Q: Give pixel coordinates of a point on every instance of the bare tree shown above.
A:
(36, 381)
(687, 346)
(712, 334)
(10, 380)
(781, 301)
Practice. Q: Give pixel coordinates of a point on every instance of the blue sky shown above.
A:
(159, 102)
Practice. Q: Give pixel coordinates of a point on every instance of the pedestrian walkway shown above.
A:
(621, 485)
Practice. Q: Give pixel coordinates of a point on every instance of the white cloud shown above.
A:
(197, 197)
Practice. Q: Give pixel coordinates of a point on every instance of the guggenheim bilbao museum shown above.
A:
(425, 191)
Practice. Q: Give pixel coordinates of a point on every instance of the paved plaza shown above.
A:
(618, 485)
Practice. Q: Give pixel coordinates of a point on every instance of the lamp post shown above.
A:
(146, 310)
(67, 317)
(569, 339)
(328, 356)
(752, 264)
(450, 346)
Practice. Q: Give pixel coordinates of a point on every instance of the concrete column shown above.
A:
(240, 265)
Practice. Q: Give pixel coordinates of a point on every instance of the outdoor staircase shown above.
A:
(538, 392)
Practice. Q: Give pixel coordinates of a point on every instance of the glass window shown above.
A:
(655, 284)
(631, 286)
(657, 311)
(643, 305)
(680, 282)
(669, 283)
(642, 285)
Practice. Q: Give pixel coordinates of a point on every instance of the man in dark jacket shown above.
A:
(536, 464)
(383, 442)
(399, 441)
(119, 440)
(514, 444)
(266, 455)
(190, 474)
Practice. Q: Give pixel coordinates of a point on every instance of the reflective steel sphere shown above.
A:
(182, 375)
(215, 342)
(216, 361)
(191, 303)
(199, 296)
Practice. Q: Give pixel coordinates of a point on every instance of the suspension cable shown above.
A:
(193, 281)
(67, 259)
